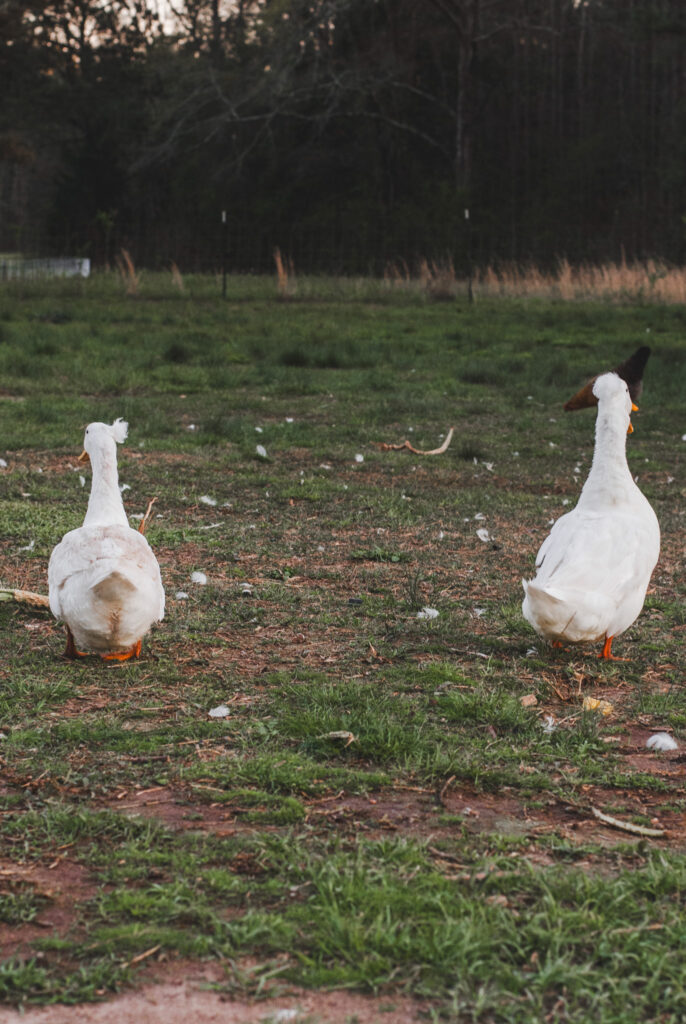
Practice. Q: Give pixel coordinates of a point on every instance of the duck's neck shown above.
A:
(609, 470)
(105, 506)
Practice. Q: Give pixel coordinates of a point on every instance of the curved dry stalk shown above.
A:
(418, 451)
(627, 826)
(144, 521)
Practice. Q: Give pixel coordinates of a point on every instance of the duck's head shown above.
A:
(101, 437)
(610, 391)
(631, 371)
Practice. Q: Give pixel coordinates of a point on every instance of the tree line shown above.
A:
(352, 134)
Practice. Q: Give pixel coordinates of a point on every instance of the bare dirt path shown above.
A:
(188, 1001)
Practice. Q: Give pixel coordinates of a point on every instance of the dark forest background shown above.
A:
(349, 133)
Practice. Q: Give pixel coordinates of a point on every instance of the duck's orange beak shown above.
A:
(630, 428)
(84, 456)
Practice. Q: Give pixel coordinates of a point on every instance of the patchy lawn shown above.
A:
(396, 807)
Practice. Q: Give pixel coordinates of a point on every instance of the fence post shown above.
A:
(470, 271)
(225, 246)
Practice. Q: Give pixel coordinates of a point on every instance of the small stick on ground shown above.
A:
(418, 451)
(627, 826)
(446, 856)
(607, 819)
(444, 789)
(144, 521)
(142, 956)
(25, 597)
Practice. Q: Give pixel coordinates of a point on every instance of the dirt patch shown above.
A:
(177, 810)
(35, 460)
(669, 765)
(32, 461)
(62, 884)
(188, 999)
(572, 820)
(494, 812)
(417, 812)
(407, 810)
(412, 811)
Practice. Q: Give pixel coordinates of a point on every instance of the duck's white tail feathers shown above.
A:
(118, 613)
(574, 615)
(114, 587)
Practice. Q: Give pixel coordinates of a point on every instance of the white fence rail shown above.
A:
(12, 267)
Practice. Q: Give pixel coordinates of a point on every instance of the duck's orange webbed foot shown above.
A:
(559, 645)
(71, 650)
(144, 521)
(606, 652)
(124, 655)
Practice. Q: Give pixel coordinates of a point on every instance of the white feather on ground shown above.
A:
(662, 741)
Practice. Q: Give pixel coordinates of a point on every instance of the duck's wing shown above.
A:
(68, 557)
(588, 551)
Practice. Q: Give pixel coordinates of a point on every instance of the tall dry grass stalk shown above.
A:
(651, 280)
(397, 274)
(177, 277)
(436, 278)
(285, 273)
(127, 272)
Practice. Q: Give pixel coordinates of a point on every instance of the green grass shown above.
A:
(343, 913)
(379, 810)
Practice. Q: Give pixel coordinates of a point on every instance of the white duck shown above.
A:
(594, 567)
(104, 581)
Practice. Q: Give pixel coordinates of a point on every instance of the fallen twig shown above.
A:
(339, 734)
(446, 856)
(627, 826)
(25, 597)
(142, 956)
(657, 927)
(418, 451)
(444, 790)
(144, 521)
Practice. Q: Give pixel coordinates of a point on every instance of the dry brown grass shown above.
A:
(436, 278)
(397, 273)
(651, 280)
(177, 277)
(127, 272)
(285, 273)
